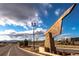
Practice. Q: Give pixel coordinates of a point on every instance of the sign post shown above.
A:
(49, 43)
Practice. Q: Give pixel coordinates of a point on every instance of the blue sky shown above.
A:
(18, 18)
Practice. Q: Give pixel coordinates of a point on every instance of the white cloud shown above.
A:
(14, 35)
(73, 28)
(58, 11)
(46, 13)
(29, 34)
(2, 21)
(38, 30)
(47, 5)
(9, 31)
(41, 30)
(5, 20)
(59, 37)
(50, 5)
(65, 34)
(5, 38)
(25, 23)
(24, 17)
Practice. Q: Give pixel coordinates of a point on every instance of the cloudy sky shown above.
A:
(17, 19)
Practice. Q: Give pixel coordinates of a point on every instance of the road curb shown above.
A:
(49, 54)
(31, 52)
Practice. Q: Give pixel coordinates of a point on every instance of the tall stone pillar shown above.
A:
(49, 43)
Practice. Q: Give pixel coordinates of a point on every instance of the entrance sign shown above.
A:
(55, 30)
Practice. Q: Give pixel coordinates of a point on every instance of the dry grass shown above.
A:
(68, 47)
(31, 49)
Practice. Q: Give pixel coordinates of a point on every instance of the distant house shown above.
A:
(75, 40)
(70, 40)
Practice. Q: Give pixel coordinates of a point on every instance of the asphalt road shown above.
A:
(13, 50)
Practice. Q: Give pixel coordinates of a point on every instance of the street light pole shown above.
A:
(33, 25)
(33, 39)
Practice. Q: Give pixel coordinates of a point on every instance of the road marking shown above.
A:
(9, 52)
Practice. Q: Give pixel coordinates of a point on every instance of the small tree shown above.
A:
(20, 43)
(25, 42)
(66, 41)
